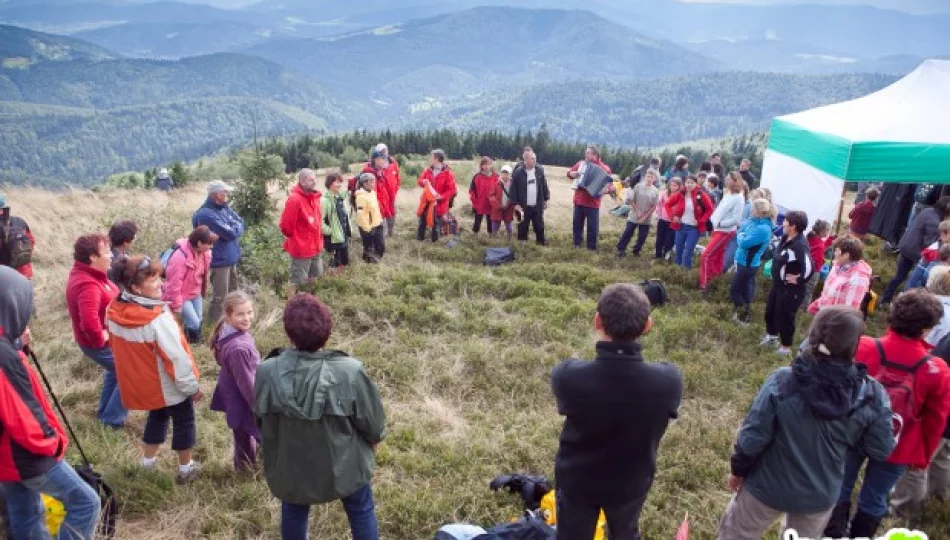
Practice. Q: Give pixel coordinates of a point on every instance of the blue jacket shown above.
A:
(753, 237)
(224, 222)
(793, 443)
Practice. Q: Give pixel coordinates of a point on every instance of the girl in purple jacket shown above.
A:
(235, 351)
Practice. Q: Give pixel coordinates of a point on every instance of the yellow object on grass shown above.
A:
(55, 514)
(620, 190)
(549, 513)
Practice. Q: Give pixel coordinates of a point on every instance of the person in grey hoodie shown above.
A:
(921, 233)
(642, 198)
(725, 221)
(790, 454)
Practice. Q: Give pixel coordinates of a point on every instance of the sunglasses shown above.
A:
(142, 266)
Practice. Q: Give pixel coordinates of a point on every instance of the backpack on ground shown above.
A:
(449, 225)
(899, 382)
(655, 290)
(499, 256)
(15, 244)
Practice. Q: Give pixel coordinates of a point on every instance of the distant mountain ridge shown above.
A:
(20, 48)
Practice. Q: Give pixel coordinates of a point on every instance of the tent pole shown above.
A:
(844, 192)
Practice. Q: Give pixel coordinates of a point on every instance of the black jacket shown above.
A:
(922, 232)
(616, 410)
(792, 257)
(519, 186)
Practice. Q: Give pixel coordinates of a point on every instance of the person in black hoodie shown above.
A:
(792, 267)
(616, 410)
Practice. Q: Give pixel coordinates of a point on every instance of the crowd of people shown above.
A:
(315, 417)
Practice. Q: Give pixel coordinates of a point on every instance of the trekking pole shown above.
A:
(59, 407)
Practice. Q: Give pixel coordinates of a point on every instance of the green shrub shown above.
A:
(263, 260)
(251, 199)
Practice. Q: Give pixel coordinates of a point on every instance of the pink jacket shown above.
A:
(845, 286)
(661, 212)
(186, 275)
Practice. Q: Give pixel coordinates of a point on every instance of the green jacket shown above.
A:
(337, 225)
(320, 416)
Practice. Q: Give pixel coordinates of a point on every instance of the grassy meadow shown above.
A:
(462, 354)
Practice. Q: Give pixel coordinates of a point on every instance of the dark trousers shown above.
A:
(478, 223)
(904, 267)
(341, 254)
(245, 450)
(374, 243)
(665, 238)
(534, 217)
(591, 216)
(421, 231)
(642, 232)
(182, 417)
(360, 511)
(742, 290)
(780, 312)
(577, 520)
(879, 478)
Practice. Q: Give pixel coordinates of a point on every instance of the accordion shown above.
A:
(594, 180)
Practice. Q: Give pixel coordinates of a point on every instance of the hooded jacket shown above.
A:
(444, 184)
(924, 231)
(301, 224)
(236, 354)
(186, 276)
(320, 416)
(88, 294)
(931, 392)
(387, 186)
(480, 191)
(16, 223)
(728, 215)
(224, 222)
(368, 215)
(846, 285)
(335, 210)
(752, 240)
(32, 440)
(500, 201)
(702, 208)
(861, 216)
(153, 361)
(794, 441)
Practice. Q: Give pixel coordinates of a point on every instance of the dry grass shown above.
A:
(462, 353)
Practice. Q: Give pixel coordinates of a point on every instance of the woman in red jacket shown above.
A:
(438, 188)
(500, 202)
(689, 212)
(88, 294)
(483, 183)
(899, 360)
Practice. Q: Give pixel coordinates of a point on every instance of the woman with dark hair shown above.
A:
(680, 168)
(88, 293)
(321, 417)
(790, 453)
(186, 279)
(689, 212)
(850, 277)
(479, 192)
(791, 269)
(900, 361)
(156, 370)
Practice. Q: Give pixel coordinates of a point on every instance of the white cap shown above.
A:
(506, 168)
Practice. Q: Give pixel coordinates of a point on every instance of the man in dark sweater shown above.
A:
(616, 410)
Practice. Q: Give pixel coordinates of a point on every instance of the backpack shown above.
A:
(449, 226)
(167, 256)
(15, 244)
(499, 256)
(655, 291)
(869, 303)
(898, 381)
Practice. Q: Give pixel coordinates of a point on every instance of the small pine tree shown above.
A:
(251, 199)
(180, 174)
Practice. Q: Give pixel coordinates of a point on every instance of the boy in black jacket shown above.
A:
(616, 410)
(792, 267)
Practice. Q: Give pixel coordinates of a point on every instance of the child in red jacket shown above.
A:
(689, 211)
(862, 213)
(483, 183)
(818, 243)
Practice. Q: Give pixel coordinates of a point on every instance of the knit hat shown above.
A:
(835, 333)
(3, 201)
(218, 186)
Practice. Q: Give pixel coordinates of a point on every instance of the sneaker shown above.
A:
(621, 254)
(768, 341)
(185, 477)
(783, 351)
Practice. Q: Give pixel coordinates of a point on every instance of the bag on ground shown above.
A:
(499, 256)
(655, 290)
(17, 243)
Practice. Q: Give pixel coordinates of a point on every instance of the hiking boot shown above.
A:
(768, 341)
(191, 474)
(864, 525)
(621, 254)
(838, 522)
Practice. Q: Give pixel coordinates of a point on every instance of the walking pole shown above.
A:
(844, 191)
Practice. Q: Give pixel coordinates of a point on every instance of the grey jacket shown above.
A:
(921, 233)
(793, 443)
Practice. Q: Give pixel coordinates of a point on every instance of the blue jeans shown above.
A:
(592, 217)
(28, 515)
(918, 278)
(191, 312)
(730, 257)
(110, 412)
(879, 479)
(360, 510)
(686, 239)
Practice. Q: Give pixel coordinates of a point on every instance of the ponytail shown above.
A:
(231, 301)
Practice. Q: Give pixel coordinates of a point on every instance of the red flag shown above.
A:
(683, 532)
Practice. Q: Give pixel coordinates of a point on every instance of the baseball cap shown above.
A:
(218, 186)
(506, 168)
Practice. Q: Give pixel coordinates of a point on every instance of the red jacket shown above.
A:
(88, 294)
(480, 192)
(387, 186)
(861, 216)
(31, 438)
(302, 224)
(500, 212)
(702, 208)
(817, 248)
(919, 440)
(581, 197)
(444, 184)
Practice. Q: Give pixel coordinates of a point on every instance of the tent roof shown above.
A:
(915, 109)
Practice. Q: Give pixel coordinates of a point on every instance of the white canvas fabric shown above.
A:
(799, 186)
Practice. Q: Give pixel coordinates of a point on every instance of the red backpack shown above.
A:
(899, 382)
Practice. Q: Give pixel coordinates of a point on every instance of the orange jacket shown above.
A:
(153, 362)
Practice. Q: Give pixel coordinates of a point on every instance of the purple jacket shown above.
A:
(236, 353)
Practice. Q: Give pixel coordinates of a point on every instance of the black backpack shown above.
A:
(655, 291)
(16, 247)
(499, 256)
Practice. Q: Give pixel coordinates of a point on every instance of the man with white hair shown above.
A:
(216, 213)
(164, 181)
(301, 224)
(530, 195)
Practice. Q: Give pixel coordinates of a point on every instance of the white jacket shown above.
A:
(728, 214)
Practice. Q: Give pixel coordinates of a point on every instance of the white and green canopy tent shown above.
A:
(898, 134)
